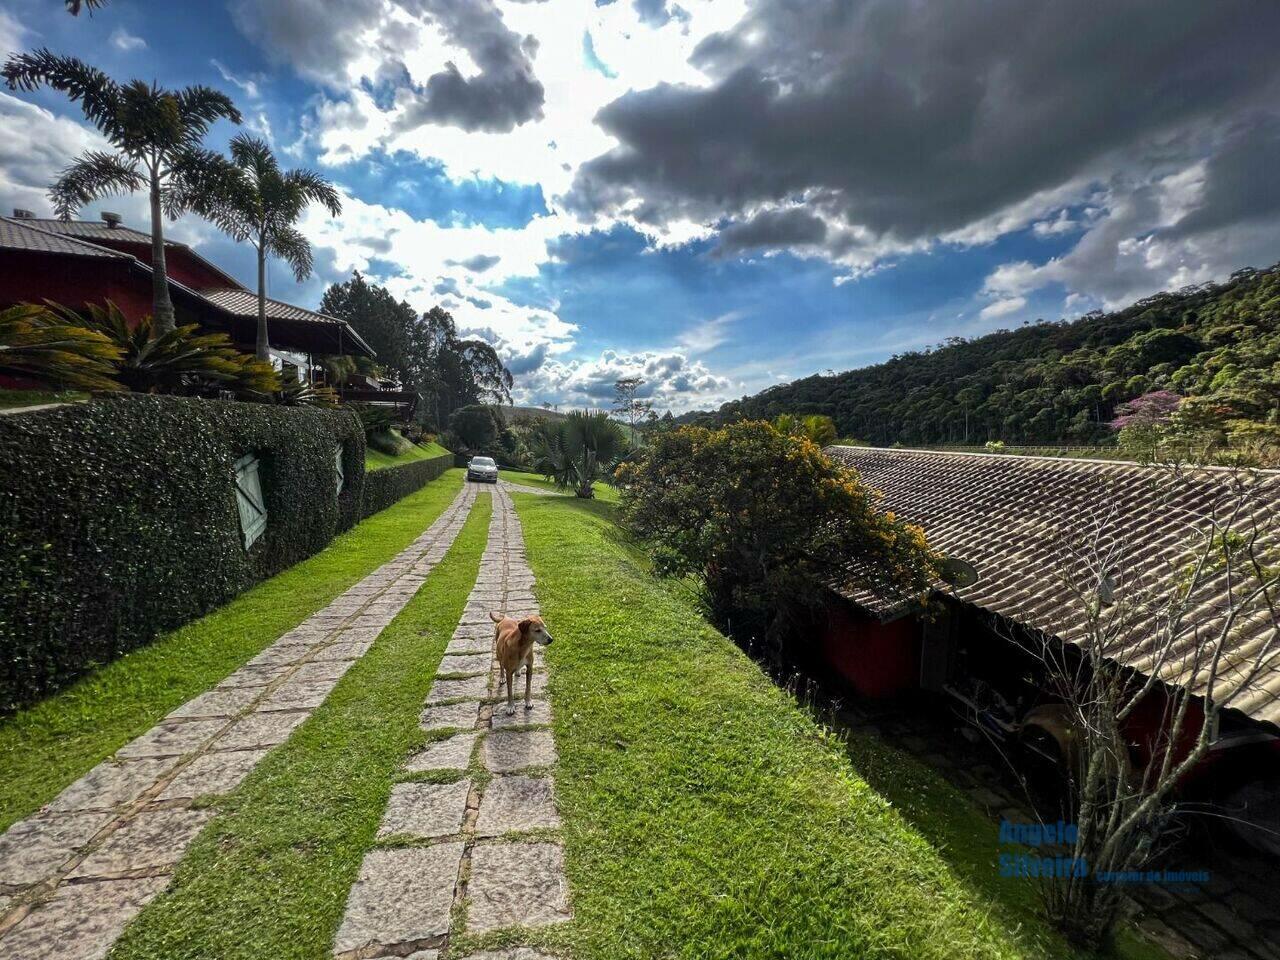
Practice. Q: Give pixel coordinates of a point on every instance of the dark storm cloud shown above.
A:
(912, 119)
(316, 36)
(1240, 180)
(771, 229)
(502, 96)
(477, 264)
(520, 364)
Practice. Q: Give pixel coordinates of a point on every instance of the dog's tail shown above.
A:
(496, 617)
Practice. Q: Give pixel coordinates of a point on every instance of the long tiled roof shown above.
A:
(18, 234)
(91, 230)
(244, 303)
(1015, 519)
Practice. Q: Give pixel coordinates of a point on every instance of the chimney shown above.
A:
(20, 214)
(112, 220)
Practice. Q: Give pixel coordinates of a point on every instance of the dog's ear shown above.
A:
(525, 624)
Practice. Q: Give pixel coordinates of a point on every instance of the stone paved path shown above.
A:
(474, 848)
(73, 874)
(510, 487)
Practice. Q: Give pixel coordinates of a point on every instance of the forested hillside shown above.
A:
(1061, 382)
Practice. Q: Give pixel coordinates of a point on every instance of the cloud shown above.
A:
(658, 13)
(249, 85)
(901, 124)
(1002, 308)
(670, 379)
(477, 264)
(126, 42)
(773, 229)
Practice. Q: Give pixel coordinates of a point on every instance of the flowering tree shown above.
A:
(1149, 410)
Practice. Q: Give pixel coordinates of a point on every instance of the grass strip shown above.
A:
(270, 876)
(49, 745)
(604, 492)
(377, 460)
(705, 814)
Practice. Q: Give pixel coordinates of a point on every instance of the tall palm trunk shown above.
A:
(161, 305)
(263, 350)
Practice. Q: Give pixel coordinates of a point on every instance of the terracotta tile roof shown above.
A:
(92, 230)
(244, 303)
(18, 234)
(1014, 518)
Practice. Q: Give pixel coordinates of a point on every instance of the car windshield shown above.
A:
(482, 461)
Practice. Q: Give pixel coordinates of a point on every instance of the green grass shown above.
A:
(46, 747)
(706, 815)
(270, 876)
(604, 492)
(377, 460)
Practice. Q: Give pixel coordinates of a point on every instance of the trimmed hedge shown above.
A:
(118, 520)
(384, 487)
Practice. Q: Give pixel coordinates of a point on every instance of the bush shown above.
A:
(384, 487)
(766, 523)
(119, 520)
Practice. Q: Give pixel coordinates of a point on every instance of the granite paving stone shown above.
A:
(112, 784)
(460, 715)
(451, 754)
(508, 750)
(425, 809)
(217, 703)
(343, 651)
(260, 730)
(81, 921)
(517, 884)
(322, 670)
(473, 688)
(401, 896)
(171, 740)
(212, 774)
(153, 840)
(538, 716)
(299, 695)
(33, 849)
(516, 803)
(470, 663)
(248, 676)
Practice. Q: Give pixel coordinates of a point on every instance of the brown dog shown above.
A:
(515, 642)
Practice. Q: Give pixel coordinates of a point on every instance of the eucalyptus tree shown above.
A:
(252, 199)
(157, 136)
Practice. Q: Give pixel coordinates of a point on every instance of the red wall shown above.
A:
(73, 282)
(877, 659)
(180, 264)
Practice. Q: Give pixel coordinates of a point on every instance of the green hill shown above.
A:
(1057, 382)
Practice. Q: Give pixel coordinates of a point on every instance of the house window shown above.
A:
(253, 508)
(337, 465)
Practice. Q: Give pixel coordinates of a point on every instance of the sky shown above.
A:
(716, 195)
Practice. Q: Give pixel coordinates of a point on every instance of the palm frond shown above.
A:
(200, 107)
(75, 6)
(97, 94)
(94, 175)
(313, 188)
(39, 343)
(293, 248)
(253, 154)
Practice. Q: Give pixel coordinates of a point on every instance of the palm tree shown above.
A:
(576, 451)
(157, 135)
(74, 6)
(253, 199)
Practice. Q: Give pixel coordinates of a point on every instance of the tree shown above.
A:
(252, 199)
(38, 343)
(1189, 625)
(627, 403)
(815, 427)
(377, 316)
(75, 6)
(157, 136)
(475, 427)
(578, 451)
(767, 524)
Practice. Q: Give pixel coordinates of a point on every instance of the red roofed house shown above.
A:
(78, 262)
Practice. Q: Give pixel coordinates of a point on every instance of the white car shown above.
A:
(482, 470)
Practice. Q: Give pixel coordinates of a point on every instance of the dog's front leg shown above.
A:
(511, 683)
(528, 683)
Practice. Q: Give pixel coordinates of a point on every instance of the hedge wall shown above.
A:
(384, 487)
(118, 520)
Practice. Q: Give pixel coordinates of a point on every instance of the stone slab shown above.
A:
(517, 884)
(280, 654)
(506, 751)
(299, 695)
(331, 670)
(451, 754)
(33, 849)
(512, 953)
(425, 810)
(171, 740)
(471, 663)
(538, 716)
(460, 715)
(401, 896)
(512, 804)
(212, 774)
(473, 688)
(153, 840)
(81, 922)
(259, 676)
(260, 730)
(217, 703)
(344, 650)
(112, 784)
(460, 645)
